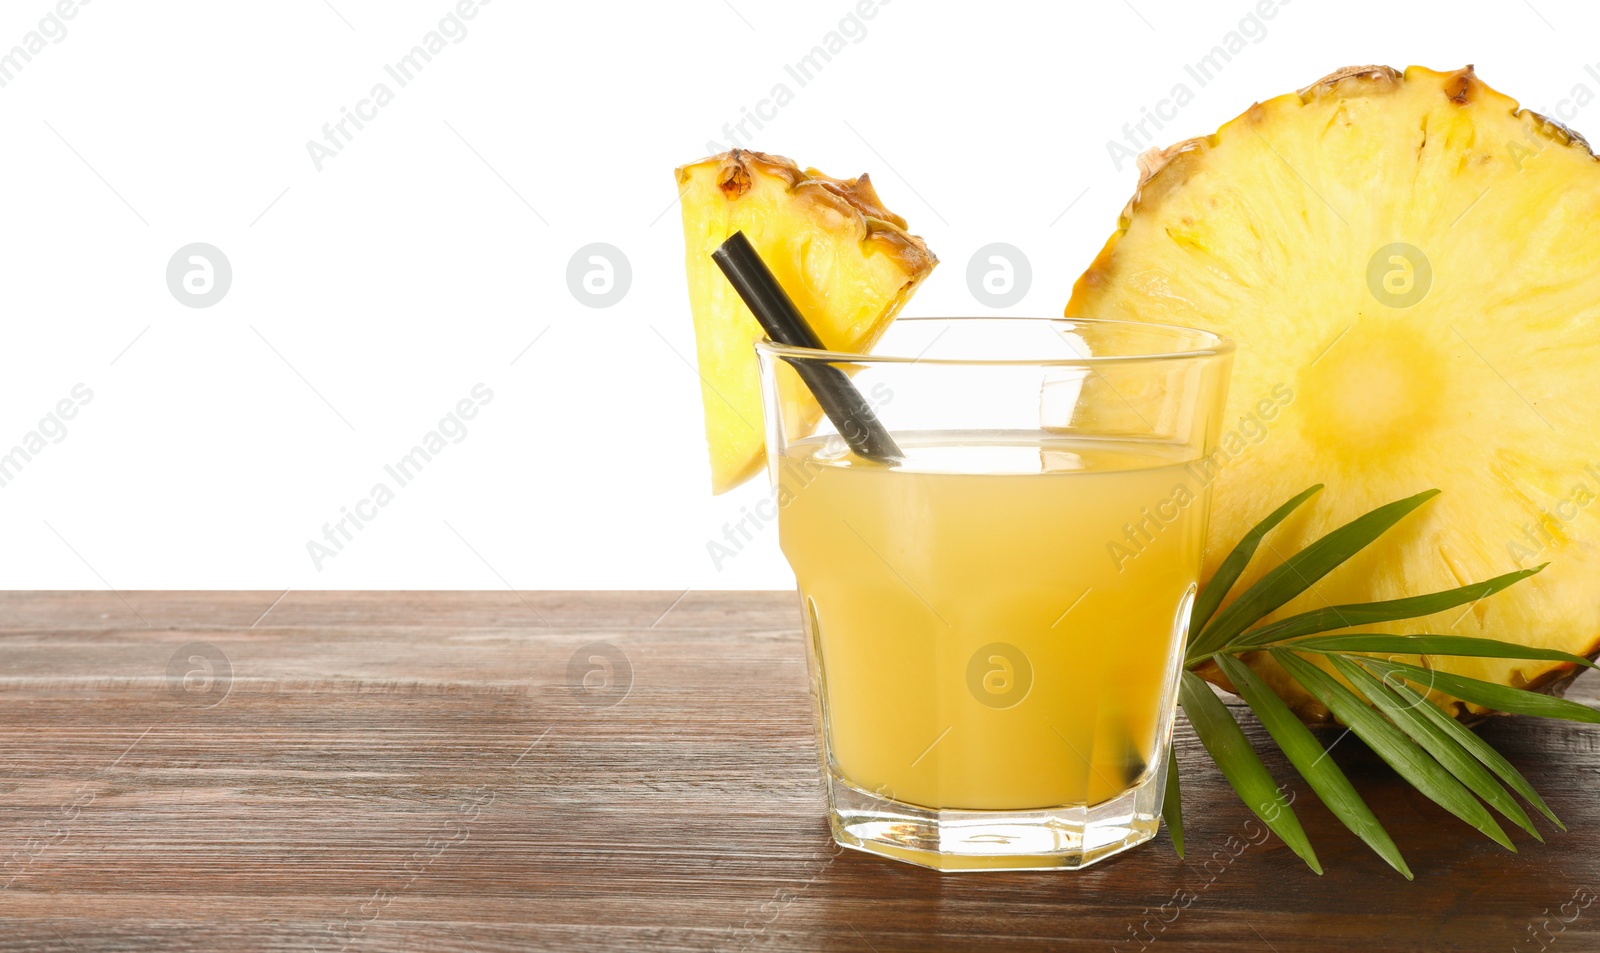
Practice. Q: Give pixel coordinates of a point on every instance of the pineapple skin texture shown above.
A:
(848, 263)
(1268, 230)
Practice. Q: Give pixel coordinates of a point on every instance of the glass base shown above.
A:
(1054, 838)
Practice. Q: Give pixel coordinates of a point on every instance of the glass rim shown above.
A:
(1213, 345)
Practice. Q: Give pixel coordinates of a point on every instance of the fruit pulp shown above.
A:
(997, 620)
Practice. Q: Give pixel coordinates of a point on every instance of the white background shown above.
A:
(371, 296)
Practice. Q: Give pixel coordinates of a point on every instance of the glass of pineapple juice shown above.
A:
(995, 621)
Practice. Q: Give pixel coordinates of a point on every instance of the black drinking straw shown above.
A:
(784, 324)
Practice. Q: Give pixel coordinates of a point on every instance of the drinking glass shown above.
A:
(995, 618)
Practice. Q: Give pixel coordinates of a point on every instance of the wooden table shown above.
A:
(414, 771)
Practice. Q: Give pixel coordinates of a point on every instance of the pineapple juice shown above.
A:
(994, 621)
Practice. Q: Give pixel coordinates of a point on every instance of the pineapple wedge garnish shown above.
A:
(1411, 267)
(847, 262)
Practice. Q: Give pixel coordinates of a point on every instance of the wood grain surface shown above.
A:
(425, 771)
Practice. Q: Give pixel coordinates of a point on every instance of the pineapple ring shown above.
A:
(1413, 257)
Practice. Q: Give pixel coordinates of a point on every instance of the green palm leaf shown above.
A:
(1205, 605)
(1434, 752)
(1461, 646)
(1390, 744)
(1309, 758)
(1172, 803)
(1498, 697)
(1444, 749)
(1370, 613)
(1240, 764)
(1299, 571)
(1475, 745)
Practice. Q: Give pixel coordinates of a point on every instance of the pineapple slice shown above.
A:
(1408, 263)
(847, 262)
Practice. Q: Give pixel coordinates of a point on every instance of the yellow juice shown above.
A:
(996, 619)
